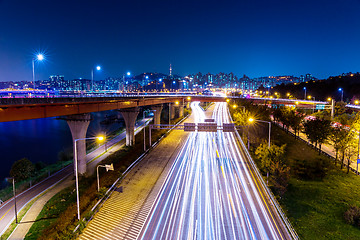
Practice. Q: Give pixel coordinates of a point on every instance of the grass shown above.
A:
(316, 207)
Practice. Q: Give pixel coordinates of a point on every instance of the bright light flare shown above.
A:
(98, 68)
(40, 57)
(251, 120)
(100, 138)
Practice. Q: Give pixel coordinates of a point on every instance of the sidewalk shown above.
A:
(93, 158)
(26, 222)
(326, 149)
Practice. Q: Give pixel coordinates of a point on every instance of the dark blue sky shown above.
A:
(256, 38)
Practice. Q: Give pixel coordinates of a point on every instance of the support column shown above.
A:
(129, 115)
(172, 111)
(157, 113)
(181, 110)
(79, 124)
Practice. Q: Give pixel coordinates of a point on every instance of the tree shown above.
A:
(317, 131)
(22, 169)
(272, 161)
(270, 156)
(336, 136)
(294, 120)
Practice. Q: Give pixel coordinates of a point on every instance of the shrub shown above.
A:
(310, 169)
(352, 216)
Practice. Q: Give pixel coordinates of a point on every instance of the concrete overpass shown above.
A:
(15, 109)
(76, 111)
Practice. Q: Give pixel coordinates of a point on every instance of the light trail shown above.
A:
(210, 192)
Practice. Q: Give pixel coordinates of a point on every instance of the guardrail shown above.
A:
(270, 195)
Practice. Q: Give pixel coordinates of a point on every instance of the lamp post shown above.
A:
(342, 93)
(252, 120)
(100, 138)
(98, 68)
(107, 167)
(13, 183)
(305, 93)
(145, 127)
(39, 57)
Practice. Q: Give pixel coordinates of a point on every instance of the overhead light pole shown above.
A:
(13, 183)
(100, 138)
(107, 167)
(305, 93)
(98, 68)
(342, 94)
(252, 120)
(38, 57)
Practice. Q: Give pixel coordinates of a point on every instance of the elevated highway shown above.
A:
(15, 109)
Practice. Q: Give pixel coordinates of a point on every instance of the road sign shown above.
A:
(228, 127)
(189, 127)
(209, 120)
(207, 127)
(320, 106)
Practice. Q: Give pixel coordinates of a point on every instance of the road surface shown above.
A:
(211, 192)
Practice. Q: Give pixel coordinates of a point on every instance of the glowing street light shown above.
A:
(99, 138)
(98, 68)
(128, 73)
(342, 93)
(39, 57)
(305, 92)
(251, 120)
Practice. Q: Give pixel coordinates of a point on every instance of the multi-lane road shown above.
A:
(211, 192)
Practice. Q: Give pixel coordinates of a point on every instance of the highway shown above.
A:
(211, 192)
(7, 213)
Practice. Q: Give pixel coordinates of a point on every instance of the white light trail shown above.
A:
(210, 191)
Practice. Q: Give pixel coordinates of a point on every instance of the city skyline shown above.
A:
(253, 38)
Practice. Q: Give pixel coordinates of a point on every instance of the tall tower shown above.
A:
(170, 70)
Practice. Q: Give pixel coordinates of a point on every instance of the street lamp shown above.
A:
(305, 92)
(39, 57)
(252, 120)
(342, 93)
(100, 138)
(107, 167)
(13, 182)
(98, 68)
(145, 127)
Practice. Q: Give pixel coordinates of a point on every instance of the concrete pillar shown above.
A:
(181, 110)
(172, 111)
(129, 115)
(157, 113)
(79, 124)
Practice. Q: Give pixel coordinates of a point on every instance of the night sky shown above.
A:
(256, 38)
